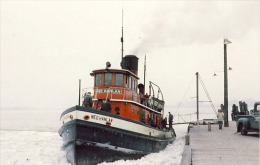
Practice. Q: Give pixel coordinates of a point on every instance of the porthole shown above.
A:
(86, 117)
(71, 117)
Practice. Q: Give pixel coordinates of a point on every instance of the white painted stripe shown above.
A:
(116, 123)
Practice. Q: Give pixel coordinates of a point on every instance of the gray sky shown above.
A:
(46, 46)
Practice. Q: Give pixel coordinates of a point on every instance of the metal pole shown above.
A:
(144, 71)
(122, 41)
(197, 84)
(79, 90)
(225, 87)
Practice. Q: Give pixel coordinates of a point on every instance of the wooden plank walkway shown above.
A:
(225, 147)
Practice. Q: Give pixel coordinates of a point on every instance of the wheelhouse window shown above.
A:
(98, 80)
(108, 79)
(119, 79)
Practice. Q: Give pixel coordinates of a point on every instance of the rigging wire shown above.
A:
(207, 93)
(182, 118)
(188, 114)
(184, 95)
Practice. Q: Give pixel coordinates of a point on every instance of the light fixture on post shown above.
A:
(215, 73)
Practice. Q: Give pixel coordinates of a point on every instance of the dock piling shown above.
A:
(209, 126)
(187, 139)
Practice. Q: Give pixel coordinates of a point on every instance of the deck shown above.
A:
(225, 147)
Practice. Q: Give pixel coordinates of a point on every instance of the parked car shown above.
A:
(249, 123)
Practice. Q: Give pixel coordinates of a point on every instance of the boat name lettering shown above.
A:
(96, 117)
(115, 91)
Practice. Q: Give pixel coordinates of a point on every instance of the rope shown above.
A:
(182, 119)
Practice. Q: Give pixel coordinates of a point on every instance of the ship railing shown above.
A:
(156, 100)
(192, 118)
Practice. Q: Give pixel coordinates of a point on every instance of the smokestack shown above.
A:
(130, 62)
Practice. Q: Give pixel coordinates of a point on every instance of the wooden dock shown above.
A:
(225, 147)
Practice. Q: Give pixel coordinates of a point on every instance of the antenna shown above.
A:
(144, 71)
(79, 90)
(122, 38)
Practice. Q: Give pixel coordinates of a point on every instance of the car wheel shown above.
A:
(243, 130)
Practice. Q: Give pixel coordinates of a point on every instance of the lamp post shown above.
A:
(226, 41)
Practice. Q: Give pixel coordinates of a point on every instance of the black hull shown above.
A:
(92, 155)
(90, 143)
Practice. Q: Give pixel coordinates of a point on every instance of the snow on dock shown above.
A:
(225, 147)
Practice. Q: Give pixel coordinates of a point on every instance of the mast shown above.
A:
(79, 90)
(197, 95)
(144, 71)
(122, 40)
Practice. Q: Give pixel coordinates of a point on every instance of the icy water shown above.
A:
(31, 138)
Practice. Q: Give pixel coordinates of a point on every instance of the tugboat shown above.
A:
(120, 121)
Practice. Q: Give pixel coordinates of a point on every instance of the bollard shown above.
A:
(187, 139)
(209, 126)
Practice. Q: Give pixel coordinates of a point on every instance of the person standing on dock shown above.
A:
(220, 117)
(170, 120)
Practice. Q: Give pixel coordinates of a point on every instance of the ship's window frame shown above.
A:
(130, 82)
(126, 81)
(133, 84)
(135, 87)
(119, 77)
(108, 79)
(98, 78)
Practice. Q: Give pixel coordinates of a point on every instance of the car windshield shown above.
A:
(257, 110)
